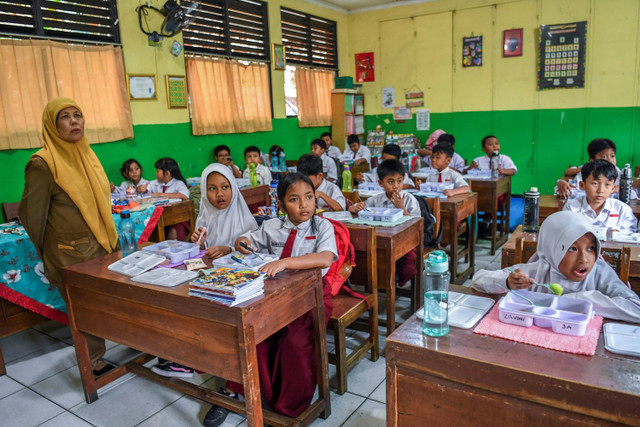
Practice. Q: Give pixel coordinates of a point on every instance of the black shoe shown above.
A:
(215, 416)
(108, 367)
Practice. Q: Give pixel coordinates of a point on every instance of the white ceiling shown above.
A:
(353, 6)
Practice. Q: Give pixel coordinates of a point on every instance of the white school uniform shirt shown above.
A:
(362, 153)
(457, 162)
(449, 176)
(128, 183)
(382, 201)
(334, 152)
(273, 234)
(173, 186)
(333, 191)
(373, 177)
(505, 162)
(614, 214)
(262, 172)
(329, 168)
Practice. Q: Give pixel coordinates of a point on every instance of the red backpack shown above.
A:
(341, 268)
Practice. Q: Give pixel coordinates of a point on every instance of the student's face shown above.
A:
(579, 259)
(597, 189)
(252, 157)
(316, 150)
(70, 124)
(219, 190)
(354, 146)
(491, 145)
(387, 156)
(299, 202)
(163, 176)
(223, 157)
(316, 179)
(328, 140)
(607, 154)
(391, 183)
(440, 160)
(134, 172)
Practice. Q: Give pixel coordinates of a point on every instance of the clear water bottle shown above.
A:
(625, 184)
(275, 165)
(347, 182)
(273, 196)
(435, 322)
(127, 233)
(530, 222)
(253, 176)
(495, 163)
(283, 162)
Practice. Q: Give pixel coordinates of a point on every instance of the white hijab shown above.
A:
(224, 226)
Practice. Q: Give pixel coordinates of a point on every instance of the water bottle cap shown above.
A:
(534, 189)
(346, 166)
(252, 165)
(437, 262)
(274, 184)
(125, 214)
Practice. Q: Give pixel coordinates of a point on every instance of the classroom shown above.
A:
(537, 223)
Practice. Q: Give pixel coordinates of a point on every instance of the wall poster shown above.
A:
(364, 67)
(388, 97)
(562, 57)
(472, 51)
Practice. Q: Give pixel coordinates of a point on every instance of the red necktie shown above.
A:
(354, 155)
(288, 246)
(440, 177)
(164, 188)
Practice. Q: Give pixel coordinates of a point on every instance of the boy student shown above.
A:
(457, 162)
(356, 151)
(252, 155)
(491, 146)
(440, 160)
(596, 205)
(327, 193)
(389, 151)
(329, 168)
(332, 150)
(598, 149)
(222, 153)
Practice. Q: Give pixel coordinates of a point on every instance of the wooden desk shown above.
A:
(453, 210)
(194, 332)
(175, 213)
(489, 190)
(14, 318)
(550, 204)
(256, 195)
(480, 380)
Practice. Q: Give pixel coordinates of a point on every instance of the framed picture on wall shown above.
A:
(176, 91)
(562, 57)
(472, 51)
(512, 42)
(277, 59)
(142, 86)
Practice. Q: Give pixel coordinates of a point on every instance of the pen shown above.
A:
(238, 260)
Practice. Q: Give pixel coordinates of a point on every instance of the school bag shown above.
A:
(340, 169)
(429, 240)
(340, 270)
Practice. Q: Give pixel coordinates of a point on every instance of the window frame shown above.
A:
(309, 41)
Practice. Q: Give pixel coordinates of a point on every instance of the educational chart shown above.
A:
(562, 56)
(472, 51)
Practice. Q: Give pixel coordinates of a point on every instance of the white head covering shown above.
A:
(223, 225)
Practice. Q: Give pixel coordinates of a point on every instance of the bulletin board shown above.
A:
(562, 56)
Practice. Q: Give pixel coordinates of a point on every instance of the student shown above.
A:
(391, 174)
(440, 160)
(222, 153)
(286, 360)
(132, 173)
(597, 205)
(457, 162)
(429, 144)
(327, 193)
(389, 151)
(598, 149)
(329, 168)
(252, 155)
(568, 254)
(266, 157)
(332, 150)
(356, 152)
(491, 145)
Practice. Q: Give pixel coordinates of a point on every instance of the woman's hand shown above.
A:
(274, 267)
(519, 280)
(214, 252)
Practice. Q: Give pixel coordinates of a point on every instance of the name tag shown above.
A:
(310, 238)
(613, 215)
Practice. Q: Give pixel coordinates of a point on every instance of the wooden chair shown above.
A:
(524, 250)
(352, 196)
(355, 170)
(620, 260)
(10, 211)
(291, 163)
(175, 214)
(347, 309)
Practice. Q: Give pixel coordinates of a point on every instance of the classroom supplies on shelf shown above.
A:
(167, 277)
(136, 263)
(464, 310)
(228, 286)
(381, 214)
(376, 141)
(174, 250)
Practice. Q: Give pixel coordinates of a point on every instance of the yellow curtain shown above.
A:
(313, 89)
(226, 96)
(35, 71)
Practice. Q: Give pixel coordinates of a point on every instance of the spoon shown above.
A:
(554, 287)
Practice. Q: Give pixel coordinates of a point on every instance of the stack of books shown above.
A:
(228, 286)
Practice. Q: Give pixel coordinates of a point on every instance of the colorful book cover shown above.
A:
(228, 279)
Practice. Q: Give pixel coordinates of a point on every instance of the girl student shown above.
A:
(568, 254)
(286, 360)
(132, 173)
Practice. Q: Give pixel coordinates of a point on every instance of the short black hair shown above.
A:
(392, 150)
(220, 148)
(320, 143)
(443, 147)
(447, 137)
(309, 164)
(597, 168)
(390, 167)
(352, 139)
(252, 149)
(323, 134)
(598, 145)
(484, 140)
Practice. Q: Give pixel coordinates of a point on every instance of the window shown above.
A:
(86, 20)
(309, 40)
(231, 28)
(290, 93)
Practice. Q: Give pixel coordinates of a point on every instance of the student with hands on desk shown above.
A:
(389, 151)
(356, 152)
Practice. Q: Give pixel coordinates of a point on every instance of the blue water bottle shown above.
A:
(283, 162)
(275, 166)
(127, 234)
(435, 322)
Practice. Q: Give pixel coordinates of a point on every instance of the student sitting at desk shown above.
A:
(597, 205)
(252, 155)
(327, 193)
(440, 159)
(332, 150)
(329, 168)
(356, 152)
(222, 153)
(491, 147)
(132, 173)
(568, 255)
(457, 162)
(389, 151)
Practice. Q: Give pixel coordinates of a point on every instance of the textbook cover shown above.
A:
(228, 280)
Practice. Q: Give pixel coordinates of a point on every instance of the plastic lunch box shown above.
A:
(174, 250)
(563, 315)
(381, 214)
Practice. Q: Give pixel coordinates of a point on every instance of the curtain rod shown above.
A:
(76, 41)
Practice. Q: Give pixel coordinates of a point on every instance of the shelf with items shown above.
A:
(347, 117)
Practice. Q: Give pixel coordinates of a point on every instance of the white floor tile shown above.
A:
(120, 354)
(55, 330)
(186, 411)
(42, 363)
(64, 388)
(369, 414)
(380, 393)
(22, 343)
(366, 376)
(341, 409)
(66, 419)
(26, 408)
(8, 386)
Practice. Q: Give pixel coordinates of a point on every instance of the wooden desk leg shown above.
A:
(322, 368)
(453, 238)
(392, 395)
(390, 283)
(3, 368)
(507, 200)
(84, 364)
(494, 227)
(472, 240)
(418, 294)
(250, 378)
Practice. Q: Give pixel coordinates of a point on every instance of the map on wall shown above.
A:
(562, 57)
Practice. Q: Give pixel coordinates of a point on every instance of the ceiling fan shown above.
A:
(176, 18)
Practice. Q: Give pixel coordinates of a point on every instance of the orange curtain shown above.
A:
(226, 96)
(35, 71)
(313, 89)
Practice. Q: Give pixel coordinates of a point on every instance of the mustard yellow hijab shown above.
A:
(77, 170)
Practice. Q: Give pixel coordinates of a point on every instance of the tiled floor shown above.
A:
(42, 387)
